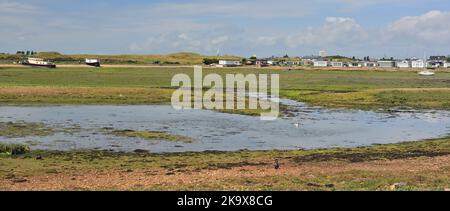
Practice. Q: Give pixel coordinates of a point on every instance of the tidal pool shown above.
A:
(318, 128)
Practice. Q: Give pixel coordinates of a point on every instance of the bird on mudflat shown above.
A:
(277, 164)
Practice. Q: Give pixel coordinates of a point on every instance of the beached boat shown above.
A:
(426, 73)
(93, 62)
(38, 62)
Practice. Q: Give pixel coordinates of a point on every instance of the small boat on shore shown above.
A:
(38, 62)
(93, 62)
(426, 73)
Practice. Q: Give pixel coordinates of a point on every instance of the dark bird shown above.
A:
(277, 164)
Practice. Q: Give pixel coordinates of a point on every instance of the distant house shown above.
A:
(386, 64)
(320, 64)
(447, 64)
(230, 63)
(370, 64)
(306, 62)
(337, 64)
(273, 62)
(438, 58)
(418, 63)
(354, 64)
(435, 63)
(292, 63)
(403, 64)
(261, 63)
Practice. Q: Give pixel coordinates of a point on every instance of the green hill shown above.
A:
(177, 58)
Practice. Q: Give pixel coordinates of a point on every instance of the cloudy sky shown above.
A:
(400, 28)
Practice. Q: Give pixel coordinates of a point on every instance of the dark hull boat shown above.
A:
(93, 62)
(39, 65)
(96, 64)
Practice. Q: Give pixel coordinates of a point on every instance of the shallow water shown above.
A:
(320, 128)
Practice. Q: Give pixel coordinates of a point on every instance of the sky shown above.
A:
(376, 28)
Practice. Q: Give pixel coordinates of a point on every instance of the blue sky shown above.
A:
(400, 28)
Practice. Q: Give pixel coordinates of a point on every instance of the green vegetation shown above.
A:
(416, 98)
(13, 149)
(151, 135)
(364, 168)
(23, 129)
(37, 95)
(208, 61)
(406, 150)
(369, 90)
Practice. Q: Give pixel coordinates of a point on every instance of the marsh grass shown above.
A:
(24, 129)
(368, 90)
(416, 98)
(14, 149)
(151, 135)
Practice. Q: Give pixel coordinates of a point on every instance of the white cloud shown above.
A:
(336, 31)
(432, 27)
(187, 42)
(219, 40)
(240, 27)
(349, 5)
(407, 36)
(266, 40)
(251, 8)
(18, 8)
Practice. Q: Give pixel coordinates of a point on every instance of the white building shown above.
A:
(403, 64)
(273, 62)
(418, 64)
(447, 64)
(370, 64)
(292, 63)
(337, 64)
(323, 54)
(354, 64)
(320, 64)
(229, 63)
(386, 64)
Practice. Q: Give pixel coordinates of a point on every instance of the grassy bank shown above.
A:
(369, 90)
(420, 165)
(177, 58)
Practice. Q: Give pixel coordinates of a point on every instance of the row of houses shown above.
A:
(382, 64)
(259, 62)
(417, 63)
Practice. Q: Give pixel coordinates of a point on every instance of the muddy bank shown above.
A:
(368, 168)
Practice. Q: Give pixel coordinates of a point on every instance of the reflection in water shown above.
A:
(311, 127)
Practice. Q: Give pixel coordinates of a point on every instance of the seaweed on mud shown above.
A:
(367, 156)
(24, 129)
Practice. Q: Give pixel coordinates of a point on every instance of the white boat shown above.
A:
(426, 73)
(38, 62)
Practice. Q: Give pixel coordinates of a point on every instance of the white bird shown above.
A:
(297, 124)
